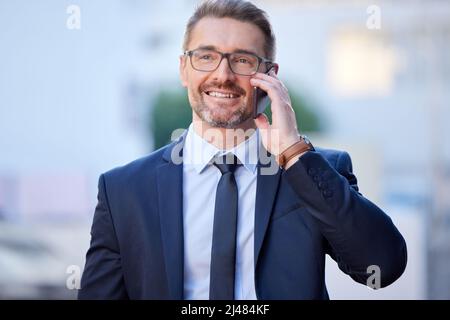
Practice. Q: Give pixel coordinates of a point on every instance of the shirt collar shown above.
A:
(198, 152)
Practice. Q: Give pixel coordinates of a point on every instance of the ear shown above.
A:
(183, 71)
(276, 67)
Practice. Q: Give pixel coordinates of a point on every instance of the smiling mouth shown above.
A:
(224, 95)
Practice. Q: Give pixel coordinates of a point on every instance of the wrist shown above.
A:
(293, 152)
(288, 143)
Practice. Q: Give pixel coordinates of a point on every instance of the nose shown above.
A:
(223, 72)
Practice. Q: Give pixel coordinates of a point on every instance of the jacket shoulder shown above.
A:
(341, 162)
(334, 157)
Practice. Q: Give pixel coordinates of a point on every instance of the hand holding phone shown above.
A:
(284, 122)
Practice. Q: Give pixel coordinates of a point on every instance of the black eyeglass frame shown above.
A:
(269, 64)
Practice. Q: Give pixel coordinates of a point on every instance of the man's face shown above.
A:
(225, 35)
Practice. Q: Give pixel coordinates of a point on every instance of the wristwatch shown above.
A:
(297, 148)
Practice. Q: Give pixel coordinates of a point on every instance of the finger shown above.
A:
(262, 122)
(271, 76)
(266, 86)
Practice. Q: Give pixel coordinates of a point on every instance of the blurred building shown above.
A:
(75, 103)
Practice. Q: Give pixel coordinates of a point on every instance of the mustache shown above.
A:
(227, 85)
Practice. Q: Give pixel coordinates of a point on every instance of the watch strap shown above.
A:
(296, 149)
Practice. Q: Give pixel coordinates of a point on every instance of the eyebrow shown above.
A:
(209, 47)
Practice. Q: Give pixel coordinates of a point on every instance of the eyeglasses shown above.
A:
(245, 64)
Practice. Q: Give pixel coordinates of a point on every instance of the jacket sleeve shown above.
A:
(358, 235)
(102, 276)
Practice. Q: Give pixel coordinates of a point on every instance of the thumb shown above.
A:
(262, 122)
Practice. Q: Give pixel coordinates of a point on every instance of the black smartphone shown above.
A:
(260, 100)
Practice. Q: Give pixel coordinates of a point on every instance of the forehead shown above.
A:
(227, 35)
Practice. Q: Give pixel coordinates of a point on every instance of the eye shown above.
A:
(205, 57)
(242, 60)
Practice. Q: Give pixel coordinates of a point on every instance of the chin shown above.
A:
(228, 122)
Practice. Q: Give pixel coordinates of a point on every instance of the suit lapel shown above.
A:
(170, 204)
(266, 190)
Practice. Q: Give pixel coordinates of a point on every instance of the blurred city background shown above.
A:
(88, 85)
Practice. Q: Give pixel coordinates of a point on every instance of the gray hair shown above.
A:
(240, 10)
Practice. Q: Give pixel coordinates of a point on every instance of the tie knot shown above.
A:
(226, 163)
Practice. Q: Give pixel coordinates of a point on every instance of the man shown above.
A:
(203, 218)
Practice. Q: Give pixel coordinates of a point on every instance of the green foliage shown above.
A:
(172, 111)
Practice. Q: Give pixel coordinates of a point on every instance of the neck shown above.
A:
(224, 138)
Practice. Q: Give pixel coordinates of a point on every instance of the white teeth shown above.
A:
(221, 95)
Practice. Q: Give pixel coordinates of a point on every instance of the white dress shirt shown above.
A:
(200, 181)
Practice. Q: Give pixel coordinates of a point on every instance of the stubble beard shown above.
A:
(220, 117)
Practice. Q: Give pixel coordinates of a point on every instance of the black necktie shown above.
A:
(223, 251)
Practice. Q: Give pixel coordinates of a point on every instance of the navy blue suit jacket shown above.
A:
(312, 209)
